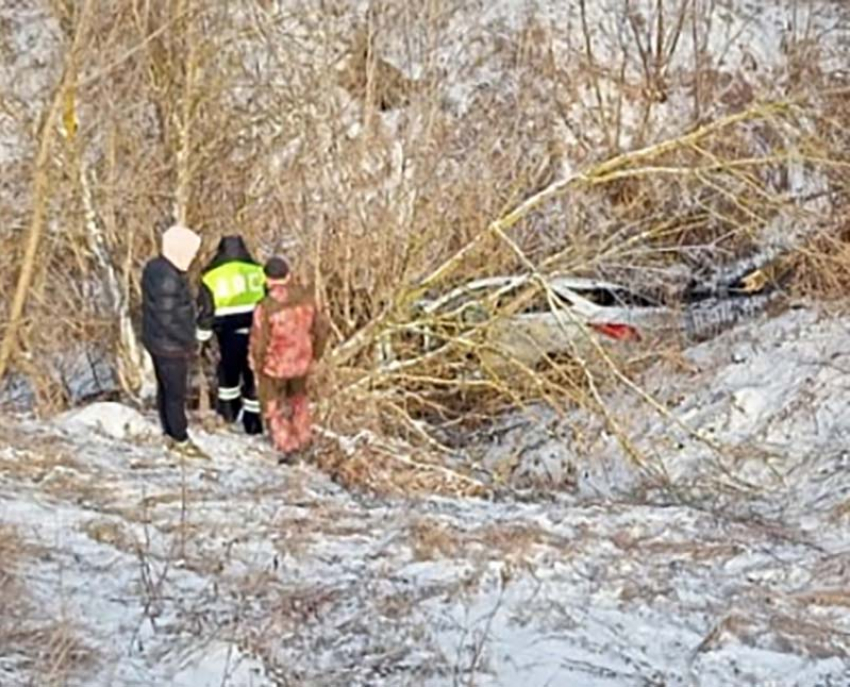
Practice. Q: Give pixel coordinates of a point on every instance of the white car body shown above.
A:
(584, 308)
(542, 330)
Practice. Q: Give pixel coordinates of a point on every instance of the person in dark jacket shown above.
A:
(168, 329)
(231, 286)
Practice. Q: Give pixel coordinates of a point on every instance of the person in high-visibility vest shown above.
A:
(231, 286)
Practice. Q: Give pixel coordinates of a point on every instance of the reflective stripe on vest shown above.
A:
(236, 287)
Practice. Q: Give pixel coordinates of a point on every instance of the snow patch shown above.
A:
(113, 420)
(220, 665)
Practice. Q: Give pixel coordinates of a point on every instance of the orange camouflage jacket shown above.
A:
(288, 333)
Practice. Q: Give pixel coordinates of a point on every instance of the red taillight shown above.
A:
(620, 332)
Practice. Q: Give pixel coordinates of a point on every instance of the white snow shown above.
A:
(219, 664)
(765, 400)
(28, 45)
(275, 575)
(722, 561)
(112, 420)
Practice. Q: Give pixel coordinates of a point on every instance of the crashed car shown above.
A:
(524, 322)
(545, 322)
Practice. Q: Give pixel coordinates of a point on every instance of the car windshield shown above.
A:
(602, 294)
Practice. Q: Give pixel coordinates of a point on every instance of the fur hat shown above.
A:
(276, 269)
(180, 245)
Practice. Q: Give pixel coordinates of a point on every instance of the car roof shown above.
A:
(565, 281)
(558, 283)
(568, 282)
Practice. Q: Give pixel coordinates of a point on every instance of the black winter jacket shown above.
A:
(230, 249)
(168, 313)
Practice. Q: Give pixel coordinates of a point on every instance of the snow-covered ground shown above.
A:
(717, 554)
(736, 571)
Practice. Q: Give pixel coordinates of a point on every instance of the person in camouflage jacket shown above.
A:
(288, 335)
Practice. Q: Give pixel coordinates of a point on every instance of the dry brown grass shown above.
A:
(432, 539)
(43, 649)
(394, 467)
(35, 457)
(516, 541)
(781, 631)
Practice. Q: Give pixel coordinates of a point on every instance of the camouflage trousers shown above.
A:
(286, 411)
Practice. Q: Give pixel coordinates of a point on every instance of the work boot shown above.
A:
(229, 409)
(188, 449)
(252, 423)
(308, 454)
(288, 458)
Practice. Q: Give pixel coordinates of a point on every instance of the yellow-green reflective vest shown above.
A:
(236, 287)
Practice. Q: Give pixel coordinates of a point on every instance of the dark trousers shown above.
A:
(172, 377)
(236, 388)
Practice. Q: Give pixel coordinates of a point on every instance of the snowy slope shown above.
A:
(275, 576)
(724, 560)
(750, 409)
